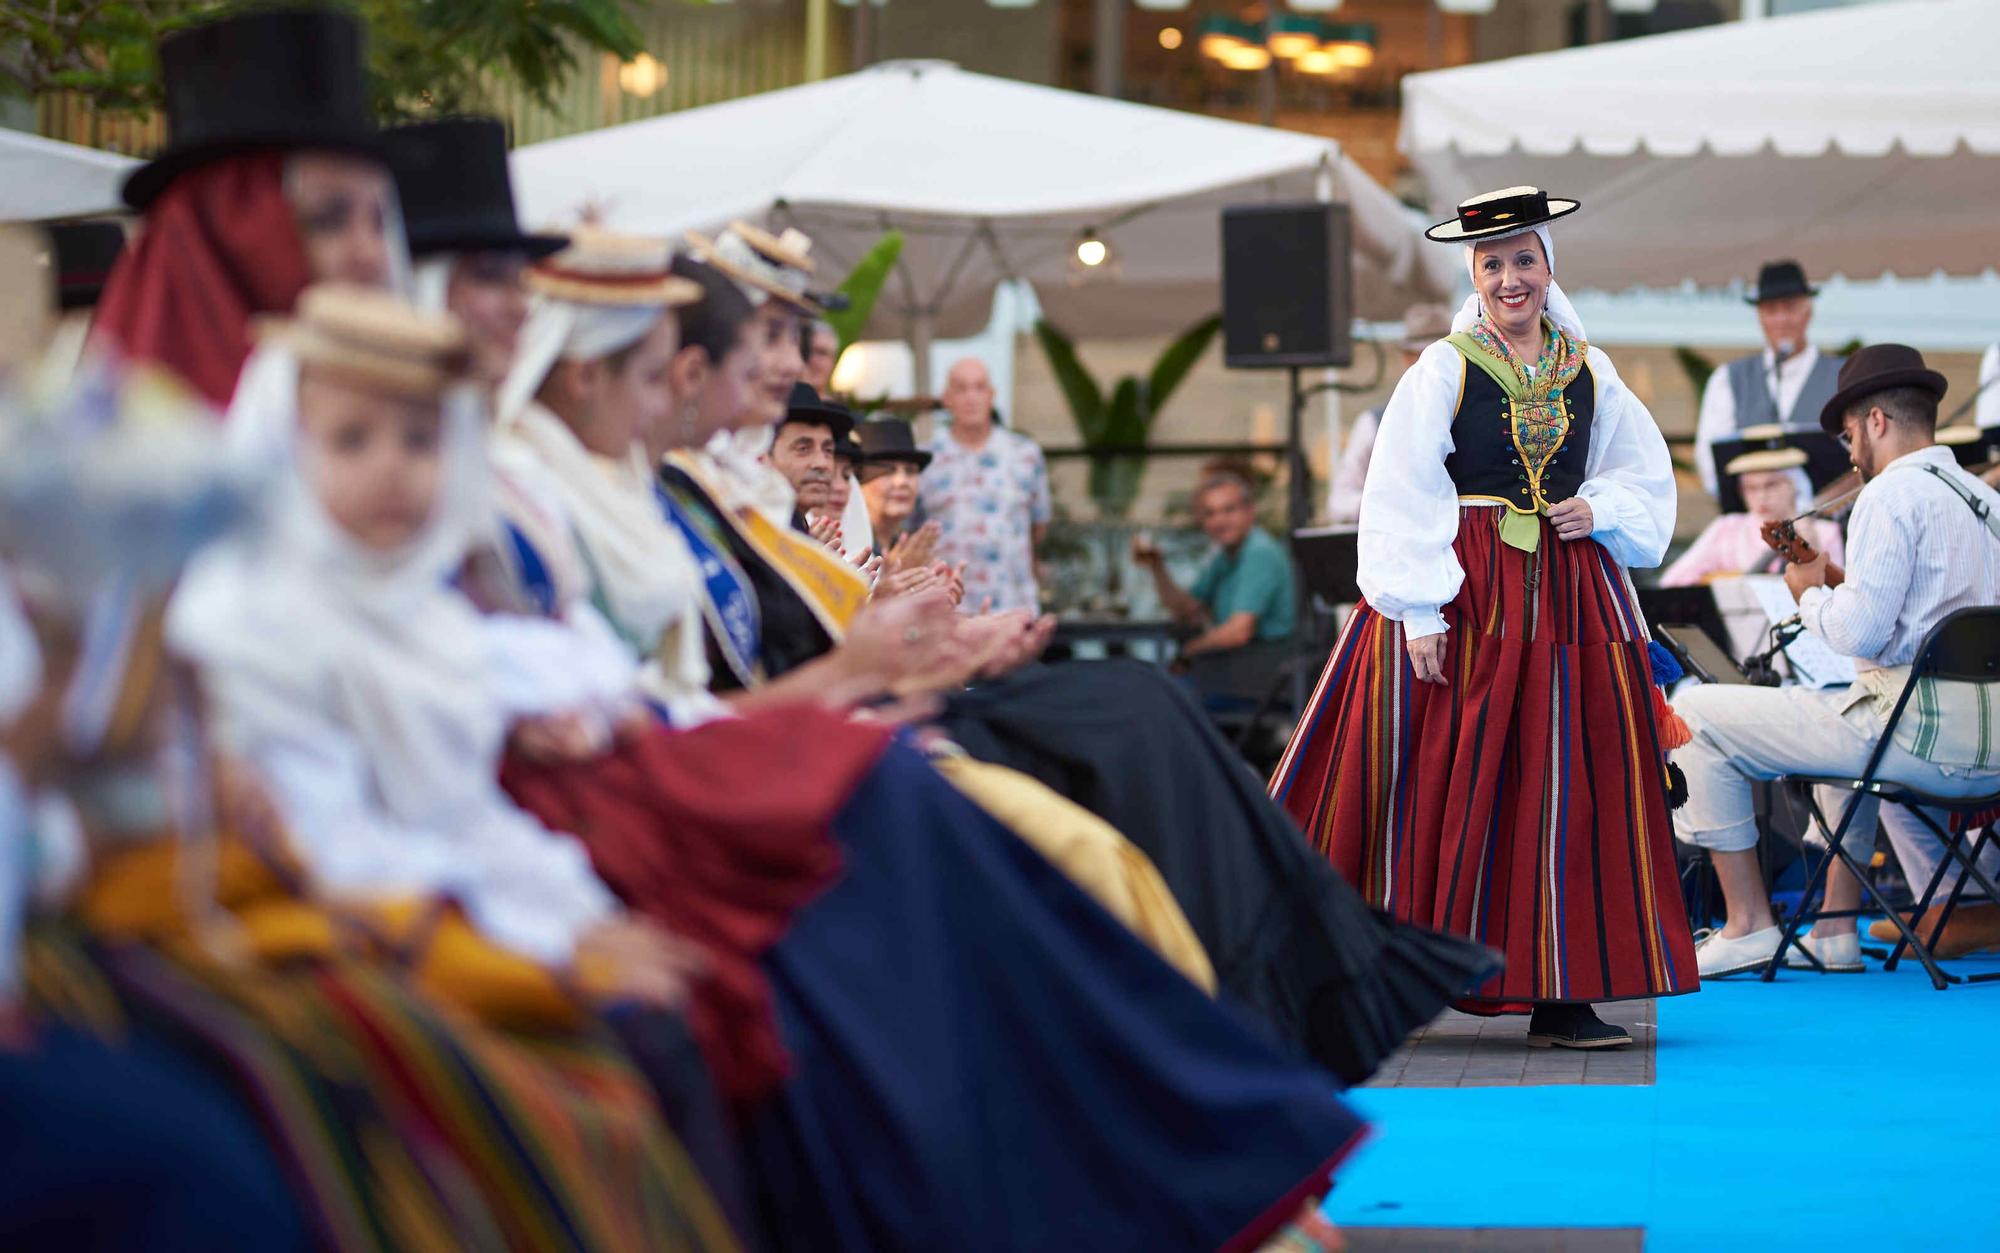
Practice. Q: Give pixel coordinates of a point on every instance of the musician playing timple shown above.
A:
(1917, 551)
(1785, 384)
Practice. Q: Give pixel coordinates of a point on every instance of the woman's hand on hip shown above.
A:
(1573, 519)
(1427, 658)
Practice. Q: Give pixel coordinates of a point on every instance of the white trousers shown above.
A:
(1743, 734)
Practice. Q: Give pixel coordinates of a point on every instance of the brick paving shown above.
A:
(1496, 1239)
(1464, 1051)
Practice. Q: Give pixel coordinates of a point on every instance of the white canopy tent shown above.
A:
(45, 178)
(1863, 141)
(988, 179)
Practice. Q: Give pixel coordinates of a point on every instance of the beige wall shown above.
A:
(1216, 405)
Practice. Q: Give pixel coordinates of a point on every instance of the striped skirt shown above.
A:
(1523, 802)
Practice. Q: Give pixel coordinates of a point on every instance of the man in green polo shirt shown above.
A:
(1243, 594)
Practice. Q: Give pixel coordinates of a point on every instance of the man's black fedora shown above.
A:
(273, 78)
(457, 196)
(806, 407)
(81, 254)
(1877, 368)
(891, 439)
(1777, 280)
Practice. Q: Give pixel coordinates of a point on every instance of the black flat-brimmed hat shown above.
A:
(457, 196)
(1502, 212)
(1877, 368)
(278, 78)
(1778, 280)
(81, 255)
(807, 408)
(891, 439)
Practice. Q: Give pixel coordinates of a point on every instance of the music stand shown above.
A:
(1826, 461)
(1329, 559)
(1693, 606)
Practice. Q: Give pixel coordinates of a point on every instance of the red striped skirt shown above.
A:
(1523, 803)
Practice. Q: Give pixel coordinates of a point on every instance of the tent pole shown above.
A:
(864, 32)
(1108, 63)
(921, 331)
(816, 32)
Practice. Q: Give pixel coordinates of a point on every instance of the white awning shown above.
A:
(989, 179)
(45, 178)
(1863, 141)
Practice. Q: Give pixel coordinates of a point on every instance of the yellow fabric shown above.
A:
(136, 893)
(1091, 853)
(832, 589)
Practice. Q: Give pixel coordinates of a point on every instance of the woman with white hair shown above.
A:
(1483, 754)
(1773, 486)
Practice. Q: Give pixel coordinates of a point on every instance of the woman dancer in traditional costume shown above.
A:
(1482, 754)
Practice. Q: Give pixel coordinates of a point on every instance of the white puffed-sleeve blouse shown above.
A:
(1410, 507)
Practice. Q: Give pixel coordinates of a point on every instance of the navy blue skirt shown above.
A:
(985, 1059)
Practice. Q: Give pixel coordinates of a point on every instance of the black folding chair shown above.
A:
(1964, 648)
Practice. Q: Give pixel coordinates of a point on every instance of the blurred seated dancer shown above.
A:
(242, 212)
(1774, 487)
(1919, 548)
(803, 450)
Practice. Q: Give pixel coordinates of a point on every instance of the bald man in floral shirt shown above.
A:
(988, 490)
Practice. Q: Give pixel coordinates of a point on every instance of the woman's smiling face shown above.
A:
(1512, 276)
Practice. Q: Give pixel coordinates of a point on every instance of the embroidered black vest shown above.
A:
(1485, 461)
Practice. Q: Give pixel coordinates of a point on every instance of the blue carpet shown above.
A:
(1883, 1095)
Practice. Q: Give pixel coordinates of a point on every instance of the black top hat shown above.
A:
(891, 439)
(1877, 368)
(1778, 279)
(806, 408)
(1503, 212)
(457, 197)
(276, 78)
(81, 255)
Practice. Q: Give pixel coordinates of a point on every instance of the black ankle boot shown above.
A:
(1573, 1026)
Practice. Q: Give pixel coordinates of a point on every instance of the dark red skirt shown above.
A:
(721, 834)
(1523, 803)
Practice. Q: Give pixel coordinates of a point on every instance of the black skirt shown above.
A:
(1288, 936)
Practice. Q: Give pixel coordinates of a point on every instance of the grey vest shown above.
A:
(1751, 386)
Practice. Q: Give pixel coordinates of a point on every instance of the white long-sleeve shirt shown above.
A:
(1717, 421)
(1915, 553)
(1409, 508)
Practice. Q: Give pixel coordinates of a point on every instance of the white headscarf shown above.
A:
(1558, 310)
(650, 585)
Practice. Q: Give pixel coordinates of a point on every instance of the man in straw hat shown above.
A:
(1918, 550)
(1786, 383)
(1423, 325)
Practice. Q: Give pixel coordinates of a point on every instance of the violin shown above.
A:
(1784, 538)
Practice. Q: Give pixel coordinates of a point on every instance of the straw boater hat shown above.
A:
(602, 267)
(775, 265)
(374, 339)
(1767, 459)
(1508, 211)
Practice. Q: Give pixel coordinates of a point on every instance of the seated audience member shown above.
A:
(1243, 594)
(1774, 486)
(891, 467)
(1919, 550)
(803, 450)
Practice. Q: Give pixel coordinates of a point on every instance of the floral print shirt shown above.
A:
(987, 503)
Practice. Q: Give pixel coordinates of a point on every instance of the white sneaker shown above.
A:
(1840, 954)
(1715, 956)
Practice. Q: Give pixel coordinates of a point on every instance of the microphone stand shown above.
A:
(1761, 669)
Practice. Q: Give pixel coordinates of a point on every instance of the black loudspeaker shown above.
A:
(1287, 286)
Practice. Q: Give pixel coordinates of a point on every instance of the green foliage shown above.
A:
(863, 287)
(1698, 367)
(425, 56)
(1115, 428)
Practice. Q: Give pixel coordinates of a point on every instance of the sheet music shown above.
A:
(1814, 665)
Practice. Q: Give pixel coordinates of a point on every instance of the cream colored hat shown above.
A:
(602, 267)
(1958, 436)
(375, 339)
(775, 265)
(1766, 459)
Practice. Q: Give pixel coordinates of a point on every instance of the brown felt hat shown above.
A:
(1877, 368)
